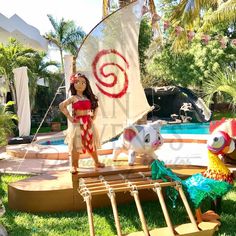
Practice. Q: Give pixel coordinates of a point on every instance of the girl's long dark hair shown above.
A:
(87, 92)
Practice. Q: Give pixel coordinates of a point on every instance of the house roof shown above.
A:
(16, 27)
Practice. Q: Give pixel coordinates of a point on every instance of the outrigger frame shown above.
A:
(111, 184)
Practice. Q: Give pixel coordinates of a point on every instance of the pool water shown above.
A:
(186, 128)
(53, 142)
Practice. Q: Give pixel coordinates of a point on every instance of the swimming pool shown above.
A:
(53, 142)
(186, 128)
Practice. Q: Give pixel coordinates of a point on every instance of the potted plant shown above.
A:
(56, 124)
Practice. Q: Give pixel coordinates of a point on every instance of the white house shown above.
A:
(16, 27)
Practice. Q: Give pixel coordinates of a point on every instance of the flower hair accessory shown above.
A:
(73, 78)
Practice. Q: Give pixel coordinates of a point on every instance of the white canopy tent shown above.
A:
(22, 97)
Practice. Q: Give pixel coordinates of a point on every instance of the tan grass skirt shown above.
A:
(73, 137)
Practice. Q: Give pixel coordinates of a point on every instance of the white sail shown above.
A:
(109, 57)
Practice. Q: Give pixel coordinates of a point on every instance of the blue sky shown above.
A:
(85, 13)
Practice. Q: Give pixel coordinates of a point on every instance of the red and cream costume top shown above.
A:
(84, 104)
(82, 111)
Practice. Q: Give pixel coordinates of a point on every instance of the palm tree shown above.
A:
(73, 48)
(152, 8)
(221, 82)
(66, 36)
(40, 69)
(14, 55)
(189, 10)
(190, 14)
(6, 122)
(226, 12)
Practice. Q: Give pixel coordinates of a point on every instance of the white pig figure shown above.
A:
(139, 139)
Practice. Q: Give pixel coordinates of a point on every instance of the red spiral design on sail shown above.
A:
(105, 75)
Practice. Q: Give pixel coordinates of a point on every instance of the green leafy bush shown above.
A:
(7, 124)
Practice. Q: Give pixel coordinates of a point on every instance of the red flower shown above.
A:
(190, 35)
(223, 42)
(206, 38)
(233, 42)
(144, 10)
(73, 78)
(178, 30)
(155, 17)
(166, 25)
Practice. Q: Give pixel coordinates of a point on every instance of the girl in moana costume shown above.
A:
(81, 135)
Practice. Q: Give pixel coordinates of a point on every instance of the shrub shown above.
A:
(7, 124)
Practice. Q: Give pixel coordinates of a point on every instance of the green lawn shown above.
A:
(76, 223)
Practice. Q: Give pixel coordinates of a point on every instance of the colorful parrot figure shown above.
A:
(214, 182)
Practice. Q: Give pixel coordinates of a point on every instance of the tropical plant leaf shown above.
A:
(7, 124)
(66, 36)
(225, 13)
(221, 82)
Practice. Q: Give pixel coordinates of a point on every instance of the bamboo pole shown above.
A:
(187, 207)
(164, 209)
(116, 177)
(90, 215)
(111, 195)
(114, 182)
(134, 193)
(128, 188)
(119, 184)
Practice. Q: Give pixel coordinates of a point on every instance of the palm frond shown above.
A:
(225, 13)
(64, 34)
(53, 22)
(221, 82)
(187, 11)
(180, 43)
(52, 39)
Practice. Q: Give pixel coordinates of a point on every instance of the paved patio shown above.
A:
(172, 153)
(9, 164)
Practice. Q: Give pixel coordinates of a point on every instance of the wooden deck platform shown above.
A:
(57, 191)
